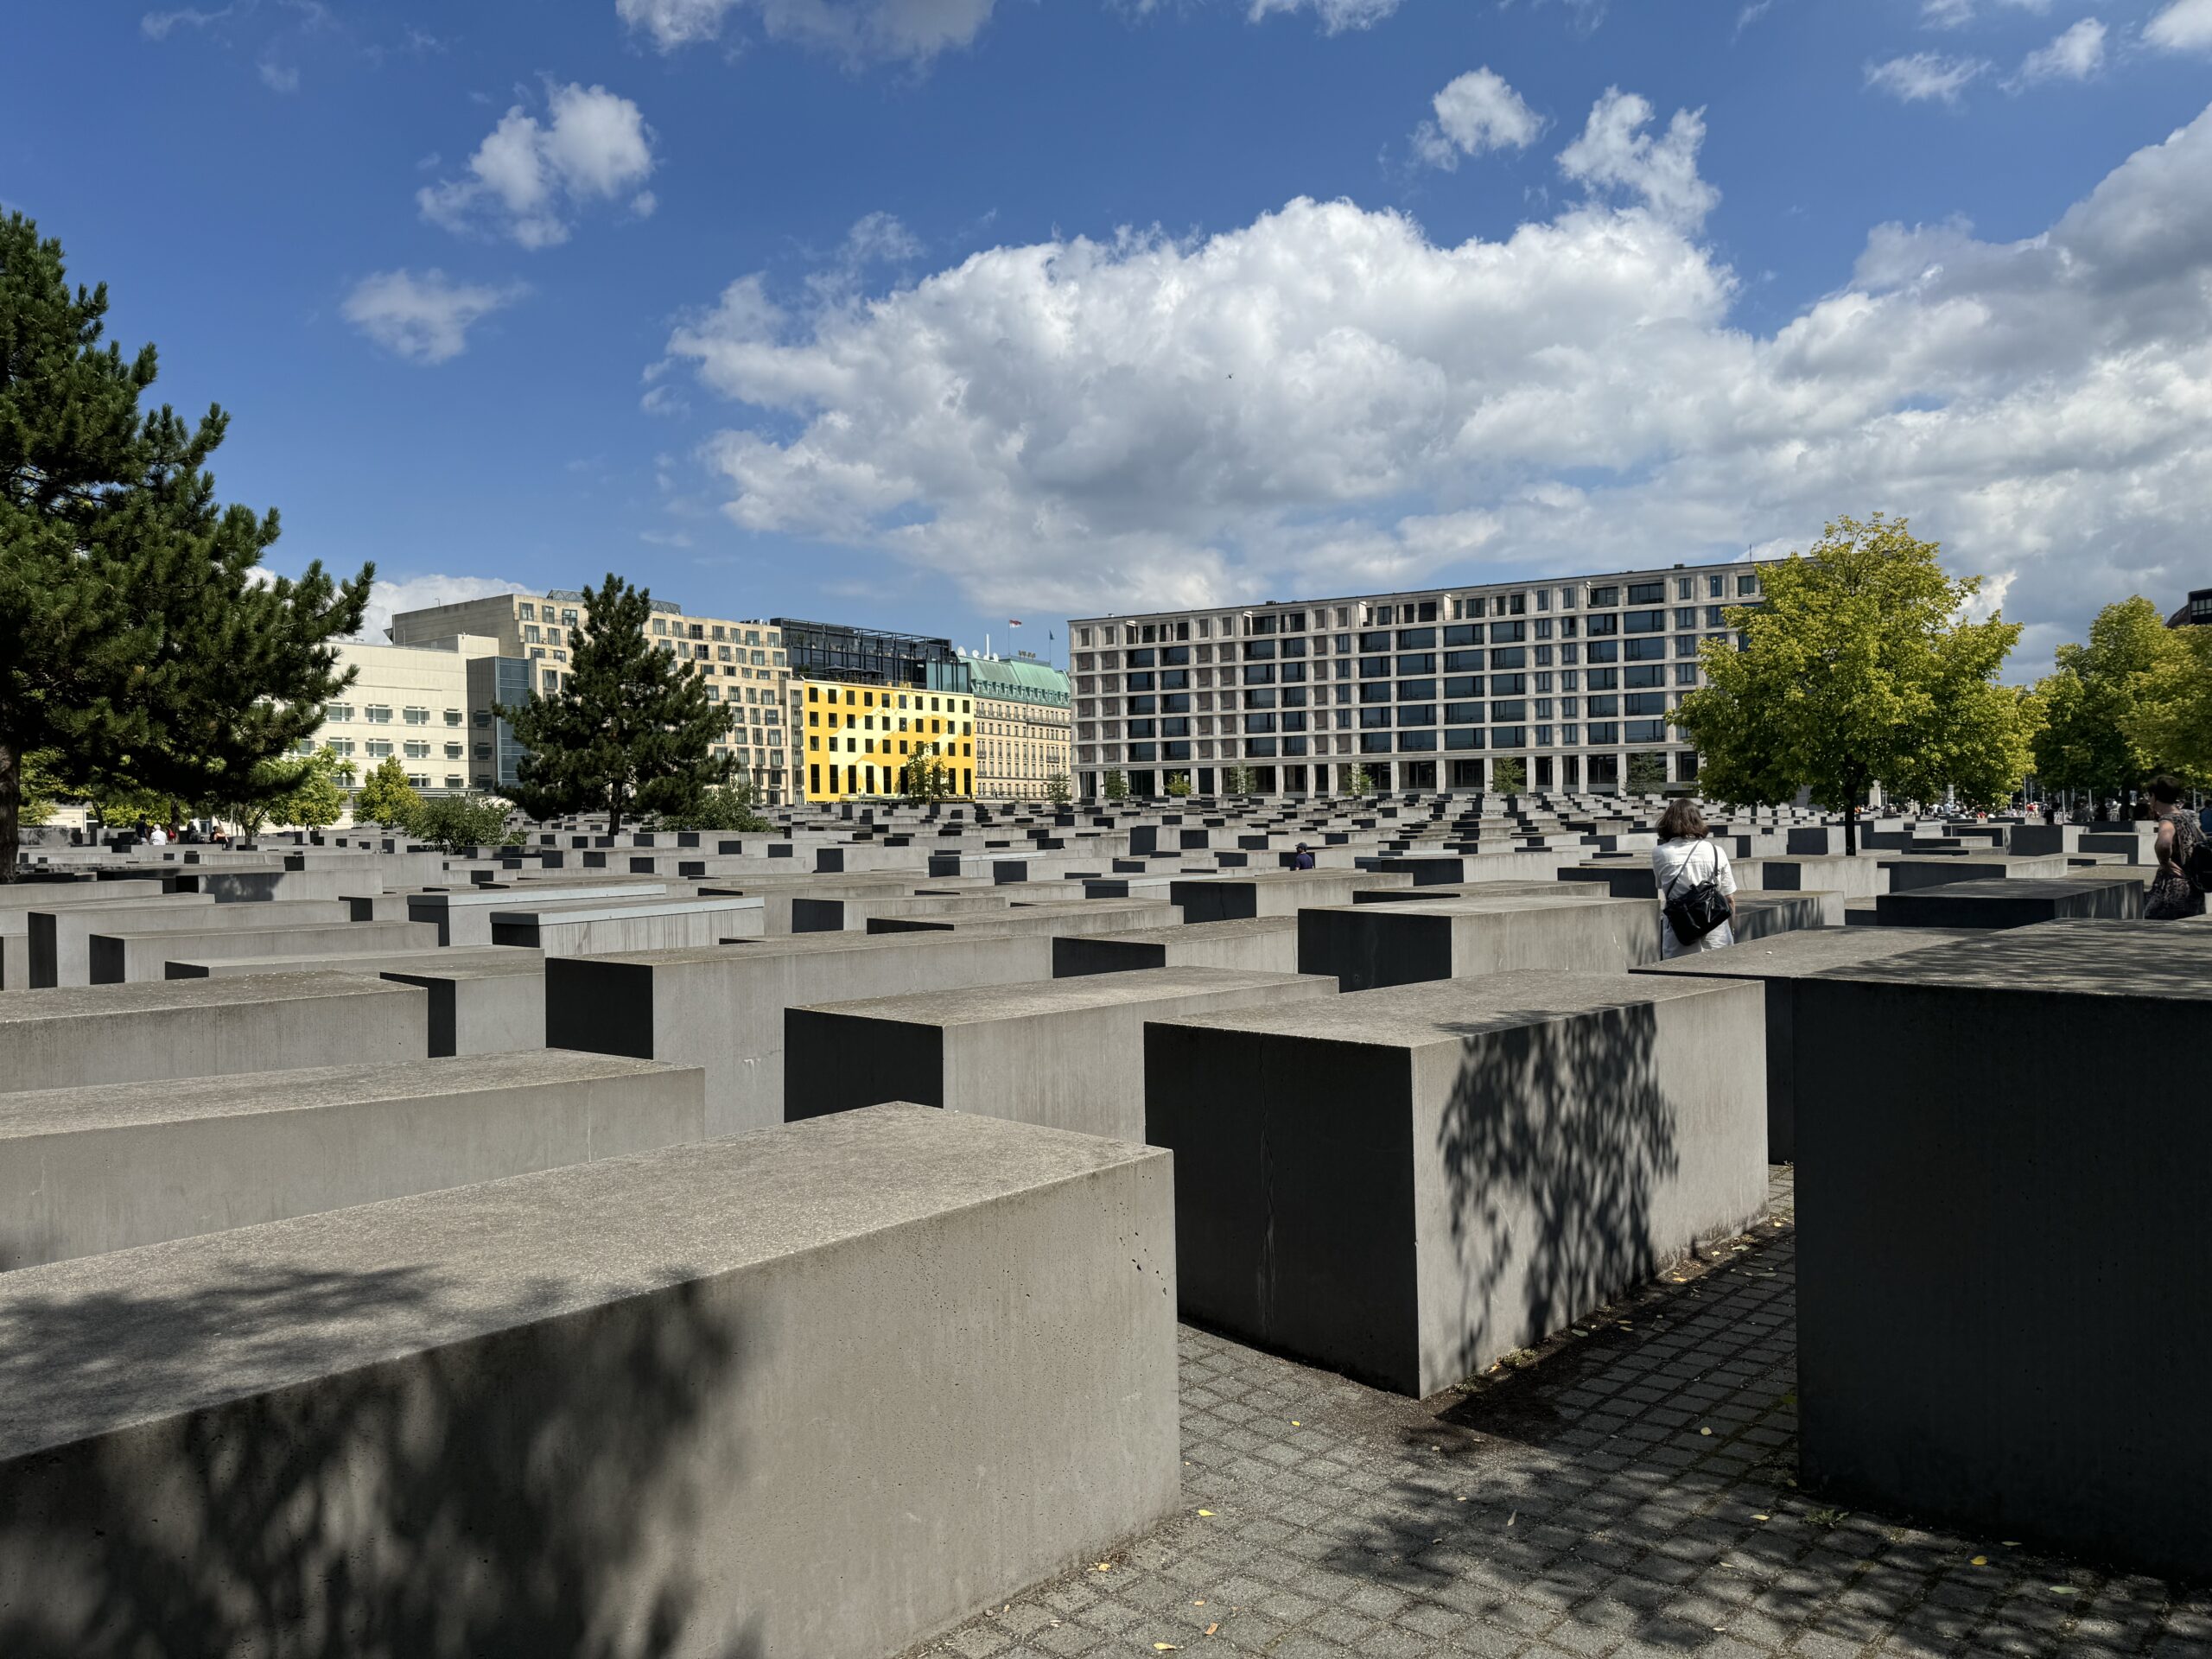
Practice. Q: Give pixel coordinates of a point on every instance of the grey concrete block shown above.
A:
(118, 1164)
(504, 958)
(1910, 874)
(1368, 946)
(60, 956)
(723, 1008)
(495, 1009)
(1279, 892)
(1778, 962)
(650, 925)
(1027, 917)
(1061, 1053)
(1266, 945)
(125, 958)
(1405, 1184)
(2014, 903)
(824, 1390)
(1988, 1274)
(61, 1039)
(464, 916)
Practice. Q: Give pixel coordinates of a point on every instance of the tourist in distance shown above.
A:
(1697, 889)
(2174, 891)
(1303, 860)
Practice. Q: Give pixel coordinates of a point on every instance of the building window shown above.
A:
(377, 713)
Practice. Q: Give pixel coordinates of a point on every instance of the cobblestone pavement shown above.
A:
(1627, 1492)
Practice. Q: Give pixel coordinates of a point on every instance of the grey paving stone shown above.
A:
(1571, 1510)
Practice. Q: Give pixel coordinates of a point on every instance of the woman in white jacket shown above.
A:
(1686, 855)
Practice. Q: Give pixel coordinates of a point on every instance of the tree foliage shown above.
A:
(1862, 666)
(1508, 776)
(387, 798)
(1178, 784)
(2119, 707)
(1647, 774)
(1237, 779)
(452, 821)
(1057, 789)
(298, 791)
(142, 644)
(2171, 723)
(1116, 785)
(631, 729)
(925, 777)
(1361, 782)
(728, 807)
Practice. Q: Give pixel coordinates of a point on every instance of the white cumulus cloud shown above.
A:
(1336, 15)
(911, 30)
(1957, 14)
(1922, 76)
(425, 319)
(2184, 26)
(1615, 152)
(2075, 55)
(1325, 401)
(528, 180)
(1477, 112)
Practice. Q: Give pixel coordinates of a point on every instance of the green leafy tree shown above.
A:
(1360, 783)
(42, 787)
(1647, 774)
(388, 799)
(2171, 721)
(2094, 706)
(633, 729)
(1178, 784)
(1861, 667)
(142, 644)
(1237, 780)
(299, 791)
(1116, 785)
(727, 808)
(1508, 776)
(452, 821)
(1057, 790)
(925, 777)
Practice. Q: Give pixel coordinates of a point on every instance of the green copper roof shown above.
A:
(1024, 680)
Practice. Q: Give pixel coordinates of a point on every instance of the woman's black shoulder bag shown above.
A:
(1695, 913)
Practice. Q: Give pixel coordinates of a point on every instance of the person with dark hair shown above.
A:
(1685, 861)
(1303, 860)
(2174, 891)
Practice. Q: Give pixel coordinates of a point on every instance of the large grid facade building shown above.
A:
(409, 702)
(743, 662)
(1573, 678)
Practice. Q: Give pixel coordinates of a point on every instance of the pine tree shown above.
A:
(140, 641)
(633, 729)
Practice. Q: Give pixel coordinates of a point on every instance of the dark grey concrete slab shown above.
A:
(483, 1009)
(1259, 943)
(1368, 946)
(1059, 1053)
(1778, 962)
(63, 1038)
(721, 1006)
(2014, 903)
(821, 1390)
(1277, 893)
(122, 957)
(118, 1164)
(1992, 1257)
(1405, 1184)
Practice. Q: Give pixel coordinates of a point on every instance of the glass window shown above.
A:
(1417, 639)
(1645, 621)
(1716, 586)
(1605, 731)
(1508, 685)
(1685, 645)
(1464, 685)
(1423, 741)
(1746, 585)
(1644, 650)
(1376, 692)
(1419, 662)
(1647, 731)
(1508, 737)
(1601, 597)
(1375, 742)
(1455, 661)
(1598, 706)
(1507, 633)
(1462, 634)
(1256, 650)
(1374, 668)
(1646, 593)
(1374, 717)
(1375, 641)
(1416, 691)
(1418, 714)
(1643, 675)
(1644, 703)
(1462, 714)
(1510, 656)
(1464, 737)
(1605, 650)
(1260, 699)
(1685, 673)
(1174, 654)
(1514, 709)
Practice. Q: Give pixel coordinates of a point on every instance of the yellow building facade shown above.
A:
(857, 741)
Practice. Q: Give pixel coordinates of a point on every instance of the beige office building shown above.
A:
(743, 662)
(407, 701)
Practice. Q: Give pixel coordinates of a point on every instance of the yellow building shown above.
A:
(859, 740)
(1021, 727)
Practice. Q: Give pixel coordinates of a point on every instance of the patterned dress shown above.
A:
(2172, 894)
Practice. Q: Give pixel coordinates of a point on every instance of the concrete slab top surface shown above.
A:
(487, 958)
(332, 1292)
(781, 945)
(117, 1105)
(980, 1004)
(160, 996)
(527, 914)
(1448, 1010)
(524, 893)
(1482, 904)
(2162, 961)
(1242, 927)
(1808, 950)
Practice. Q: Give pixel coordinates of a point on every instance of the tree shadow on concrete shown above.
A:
(523, 1494)
(1554, 1139)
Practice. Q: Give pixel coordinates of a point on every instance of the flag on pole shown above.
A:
(1013, 621)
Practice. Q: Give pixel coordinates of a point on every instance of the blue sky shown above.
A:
(928, 313)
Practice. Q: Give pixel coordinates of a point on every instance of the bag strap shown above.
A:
(1679, 873)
